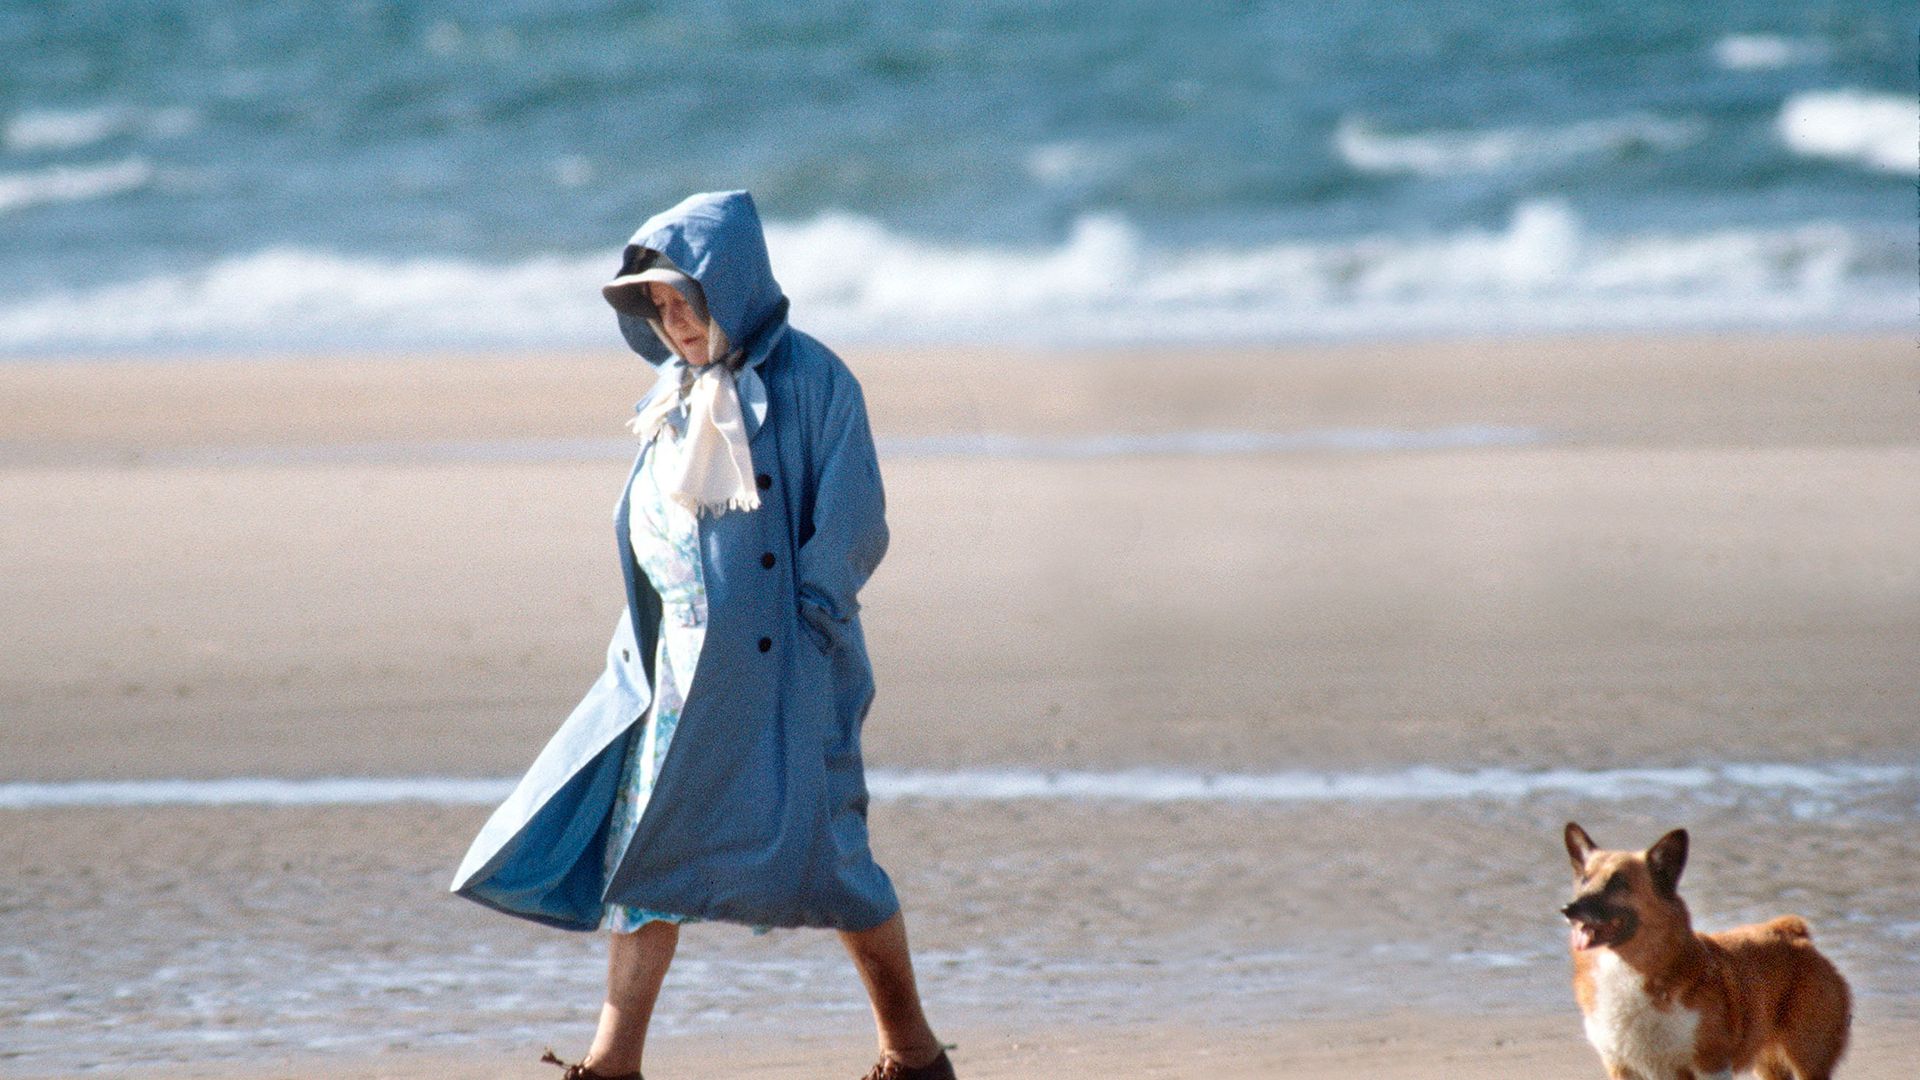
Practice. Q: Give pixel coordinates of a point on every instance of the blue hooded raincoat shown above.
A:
(758, 814)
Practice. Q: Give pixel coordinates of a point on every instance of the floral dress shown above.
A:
(666, 544)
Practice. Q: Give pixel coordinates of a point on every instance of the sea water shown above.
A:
(193, 175)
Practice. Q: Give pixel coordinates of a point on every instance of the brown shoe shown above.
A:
(888, 1069)
(581, 1072)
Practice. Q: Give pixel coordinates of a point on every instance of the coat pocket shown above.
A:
(819, 627)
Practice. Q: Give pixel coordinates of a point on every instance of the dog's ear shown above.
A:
(1579, 846)
(1665, 860)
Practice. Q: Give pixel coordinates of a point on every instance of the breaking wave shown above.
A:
(853, 279)
(291, 297)
(1879, 131)
(1544, 270)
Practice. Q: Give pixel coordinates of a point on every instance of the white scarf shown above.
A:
(713, 472)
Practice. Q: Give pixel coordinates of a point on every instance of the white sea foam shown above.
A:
(1145, 785)
(1368, 149)
(1545, 270)
(1065, 163)
(1764, 52)
(255, 791)
(1417, 784)
(854, 280)
(68, 129)
(1879, 131)
(71, 183)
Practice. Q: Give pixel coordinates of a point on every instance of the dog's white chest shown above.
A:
(1628, 1029)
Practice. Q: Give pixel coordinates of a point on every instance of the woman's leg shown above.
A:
(886, 967)
(636, 966)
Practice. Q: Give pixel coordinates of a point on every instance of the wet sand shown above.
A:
(1397, 1046)
(1360, 940)
(1707, 550)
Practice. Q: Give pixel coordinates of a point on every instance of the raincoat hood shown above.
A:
(714, 238)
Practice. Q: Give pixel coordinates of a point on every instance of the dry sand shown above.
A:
(1706, 549)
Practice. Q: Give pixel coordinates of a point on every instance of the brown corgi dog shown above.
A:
(1664, 1003)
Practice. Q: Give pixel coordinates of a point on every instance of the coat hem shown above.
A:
(757, 925)
(553, 921)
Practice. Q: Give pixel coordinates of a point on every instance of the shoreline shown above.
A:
(1829, 782)
(1840, 329)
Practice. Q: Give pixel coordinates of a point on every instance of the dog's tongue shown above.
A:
(1582, 936)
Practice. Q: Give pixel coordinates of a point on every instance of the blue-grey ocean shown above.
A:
(220, 175)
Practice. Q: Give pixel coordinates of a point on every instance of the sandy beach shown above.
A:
(1579, 554)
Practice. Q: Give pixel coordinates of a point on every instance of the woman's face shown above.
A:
(687, 333)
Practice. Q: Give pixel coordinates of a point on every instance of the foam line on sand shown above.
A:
(1416, 784)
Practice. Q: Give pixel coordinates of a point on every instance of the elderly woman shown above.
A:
(713, 771)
